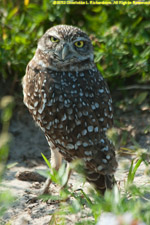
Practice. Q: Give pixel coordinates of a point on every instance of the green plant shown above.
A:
(122, 51)
(6, 106)
(90, 205)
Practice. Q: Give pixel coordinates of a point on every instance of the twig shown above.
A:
(131, 87)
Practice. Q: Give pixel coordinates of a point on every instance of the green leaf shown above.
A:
(132, 171)
(47, 161)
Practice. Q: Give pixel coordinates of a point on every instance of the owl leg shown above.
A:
(56, 162)
(68, 174)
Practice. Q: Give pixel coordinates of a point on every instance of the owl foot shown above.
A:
(34, 195)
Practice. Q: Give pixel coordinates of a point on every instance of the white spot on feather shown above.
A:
(97, 105)
(30, 106)
(99, 168)
(104, 160)
(90, 128)
(48, 126)
(61, 98)
(79, 135)
(34, 112)
(84, 132)
(64, 117)
(93, 107)
(102, 141)
(78, 143)
(35, 104)
(79, 114)
(96, 129)
(78, 122)
(70, 146)
(87, 159)
(85, 144)
(40, 110)
(108, 157)
(87, 153)
(41, 63)
(105, 148)
(100, 91)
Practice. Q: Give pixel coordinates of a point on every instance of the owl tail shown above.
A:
(101, 182)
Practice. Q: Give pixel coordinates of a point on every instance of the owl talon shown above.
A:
(45, 189)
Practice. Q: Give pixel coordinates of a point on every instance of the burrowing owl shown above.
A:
(71, 102)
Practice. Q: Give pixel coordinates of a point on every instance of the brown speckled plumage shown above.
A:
(71, 102)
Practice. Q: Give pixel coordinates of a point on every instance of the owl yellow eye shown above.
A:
(79, 44)
(53, 39)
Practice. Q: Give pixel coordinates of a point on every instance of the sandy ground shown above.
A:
(26, 147)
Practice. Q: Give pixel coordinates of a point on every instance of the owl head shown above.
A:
(66, 47)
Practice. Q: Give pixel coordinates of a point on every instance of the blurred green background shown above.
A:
(120, 35)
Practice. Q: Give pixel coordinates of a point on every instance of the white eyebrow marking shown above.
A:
(81, 39)
(53, 33)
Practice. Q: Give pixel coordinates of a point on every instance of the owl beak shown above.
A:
(65, 52)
